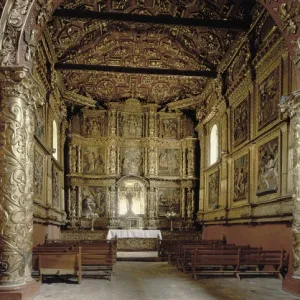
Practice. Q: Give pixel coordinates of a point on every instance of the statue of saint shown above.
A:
(129, 201)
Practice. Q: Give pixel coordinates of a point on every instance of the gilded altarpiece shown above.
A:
(131, 167)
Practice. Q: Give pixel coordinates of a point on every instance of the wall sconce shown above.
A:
(53, 151)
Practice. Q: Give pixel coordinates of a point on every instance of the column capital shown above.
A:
(20, 83)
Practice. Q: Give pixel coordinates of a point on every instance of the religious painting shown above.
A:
(213, 189)
(268, 99)
(240, 179)
(132, 125)
(93, 160)
(169, 161)
(132, 160)
(40, 124)
(38, 176)
(95, 126)
(131, 198)
(241, 123)
(55, 188)
(169, 128)
(94, 201)
(168, 200)
(268, 177)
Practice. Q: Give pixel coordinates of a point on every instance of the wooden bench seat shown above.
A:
(60, 263)
(251, 261)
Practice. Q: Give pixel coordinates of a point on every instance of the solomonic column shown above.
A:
(292, 106)
(18, 97)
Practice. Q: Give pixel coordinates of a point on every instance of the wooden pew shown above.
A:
(254, 262)
(165, 246)
(98, 256)
(60, 263)
(251, 261)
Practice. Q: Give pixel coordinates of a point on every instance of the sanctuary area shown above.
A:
(131, 127)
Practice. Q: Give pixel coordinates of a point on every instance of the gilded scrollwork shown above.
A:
(17, 127)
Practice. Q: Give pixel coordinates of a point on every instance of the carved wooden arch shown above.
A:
(139, 178)
(22, 23)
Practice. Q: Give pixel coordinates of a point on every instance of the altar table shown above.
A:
(133, 233)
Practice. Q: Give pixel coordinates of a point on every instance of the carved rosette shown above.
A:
(17, 125)
(292, 106)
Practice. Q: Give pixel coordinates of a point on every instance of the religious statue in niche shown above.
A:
(55, 189)
(93, 161)
(131, 198)
(213, 189)
(268, 167)
(168, 200)
(132, 125)
(240, 184)
(40, 124)
(94, 201)
(169, 162)
(268, 99)
(169, 128)
(132, 161)
(241, 123)
(95, 126)
(38, 175)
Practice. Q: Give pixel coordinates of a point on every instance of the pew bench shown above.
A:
(67, 263)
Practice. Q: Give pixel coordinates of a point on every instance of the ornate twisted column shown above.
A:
(19, 94)
(292, 106)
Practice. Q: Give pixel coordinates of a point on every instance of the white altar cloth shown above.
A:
(133, 233)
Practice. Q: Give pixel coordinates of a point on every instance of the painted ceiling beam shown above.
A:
(131, 70)
(167, 20)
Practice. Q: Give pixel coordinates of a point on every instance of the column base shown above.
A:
(291, 285)
(27, 291)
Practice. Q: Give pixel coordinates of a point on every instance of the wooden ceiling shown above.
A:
(154, 50)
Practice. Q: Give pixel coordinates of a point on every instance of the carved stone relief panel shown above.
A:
(95, 125)
(168, 200)
(93, 200)
(55, 188)
(213, 189)
(40, 124)
(93, 160)
(38, 176)
(169, 162)
(241, 119)
(169, 128)
(132, 161)
(268, 167)
(241, 177)
(131, 125)
(188, 127)
(269, 92)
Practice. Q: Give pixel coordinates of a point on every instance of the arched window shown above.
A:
(54, 140)
(214, 145)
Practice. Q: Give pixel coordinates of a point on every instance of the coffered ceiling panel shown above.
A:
(84, 35)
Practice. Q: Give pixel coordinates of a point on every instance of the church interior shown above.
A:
(169, 127)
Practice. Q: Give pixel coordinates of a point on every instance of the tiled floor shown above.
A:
(159, 281)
